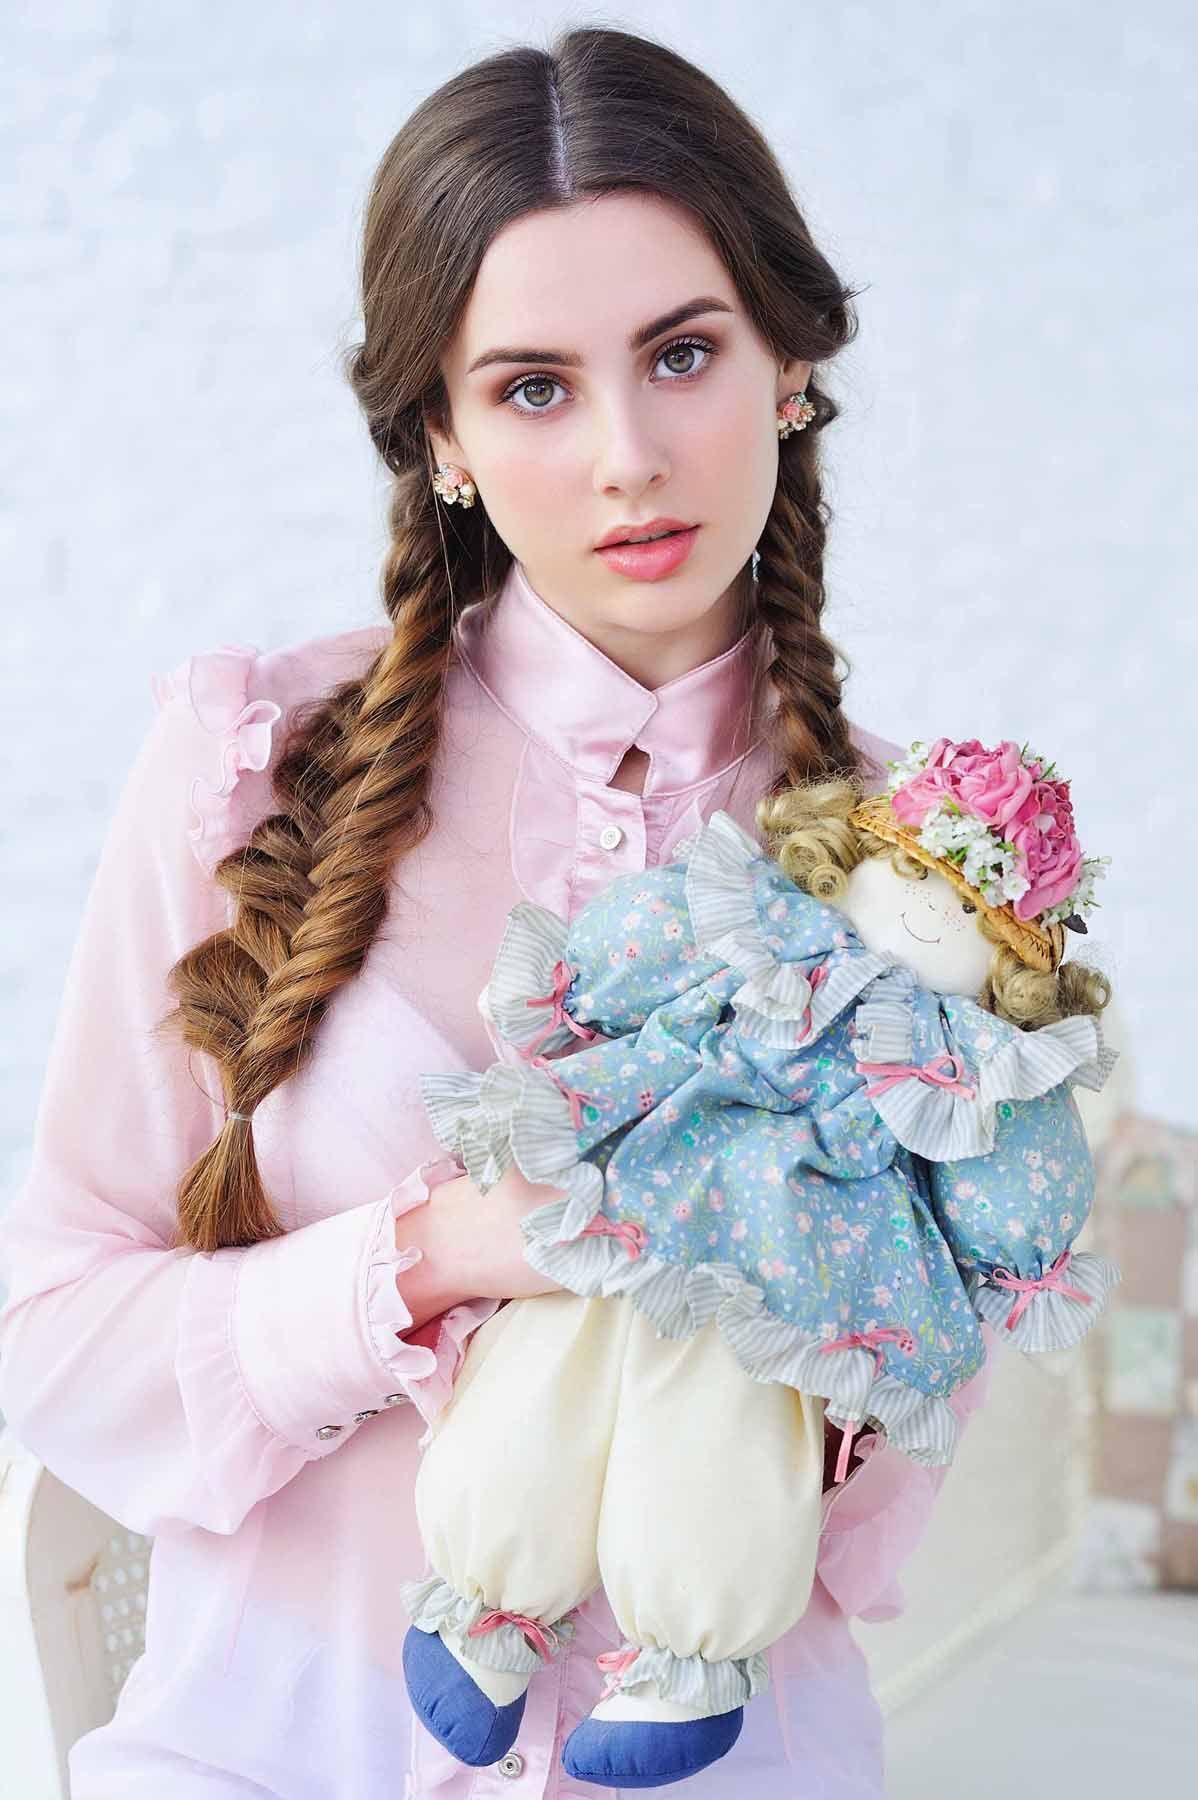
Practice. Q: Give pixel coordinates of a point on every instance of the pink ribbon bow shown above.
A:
(563, 975)
(575, 1096)
(491, 1621)
(943, 1071)
(631, 1235)
(613, 1663)
(871, 1341)
(1055, 1278)
(817, 975)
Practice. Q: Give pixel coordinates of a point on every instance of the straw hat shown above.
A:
(1038, 946)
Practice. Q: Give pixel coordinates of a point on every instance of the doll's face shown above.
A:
(925, 922)
(578, 426)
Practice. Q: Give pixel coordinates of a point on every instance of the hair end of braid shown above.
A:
(221, 1200)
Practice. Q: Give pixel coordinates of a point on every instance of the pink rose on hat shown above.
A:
(991, 784)
(1001, 819)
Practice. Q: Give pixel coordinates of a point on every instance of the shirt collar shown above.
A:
(564, 691)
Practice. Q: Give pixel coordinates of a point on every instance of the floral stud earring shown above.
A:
(795, 414)
(453, 484)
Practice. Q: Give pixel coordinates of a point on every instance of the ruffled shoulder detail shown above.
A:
(799, 977)
(216, 684)
(937, 1066)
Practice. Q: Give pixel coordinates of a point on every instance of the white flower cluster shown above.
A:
(989, 863)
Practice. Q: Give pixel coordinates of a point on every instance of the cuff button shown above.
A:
(394, 1399)
(329, 1431)
(370, 1413)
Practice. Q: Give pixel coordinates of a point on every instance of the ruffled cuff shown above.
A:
(432, 1605)
(446, 1335)
(691, 1680)
(316, 1316)
(1051, 1311)
(512, 1115)
(216, 685)
(242, 1457)
(934, 1104)
(778, 1003)
(529, 982)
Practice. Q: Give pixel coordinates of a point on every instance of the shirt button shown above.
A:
(610, 836)
(328, 1431)
(511, 1765)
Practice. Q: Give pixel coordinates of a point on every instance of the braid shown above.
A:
(311, 884)
(809, 731)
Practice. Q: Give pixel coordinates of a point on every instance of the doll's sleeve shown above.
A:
(938, 1067)
(558, 1120)
(1010, 1218)
(629, 950)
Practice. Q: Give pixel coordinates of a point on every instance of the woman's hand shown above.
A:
(471, 1243)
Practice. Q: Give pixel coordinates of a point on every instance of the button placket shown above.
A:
(611, 838)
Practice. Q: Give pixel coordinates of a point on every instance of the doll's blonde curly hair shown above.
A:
(808, 832)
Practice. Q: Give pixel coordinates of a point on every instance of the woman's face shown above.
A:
(571, 429)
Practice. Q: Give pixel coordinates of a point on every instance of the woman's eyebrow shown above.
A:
(571, 359)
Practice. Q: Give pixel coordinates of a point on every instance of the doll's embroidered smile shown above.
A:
(915, 934)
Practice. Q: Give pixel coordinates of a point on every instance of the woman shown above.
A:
(240, 1275)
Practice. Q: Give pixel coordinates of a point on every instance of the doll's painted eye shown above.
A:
(968, 906)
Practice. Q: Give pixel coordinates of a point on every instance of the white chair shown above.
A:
(73, 1583)
(72, 1620)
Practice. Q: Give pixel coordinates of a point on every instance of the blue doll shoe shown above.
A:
(452, 1706)
(644, 1753)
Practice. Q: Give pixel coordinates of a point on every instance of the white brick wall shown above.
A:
(183, 465)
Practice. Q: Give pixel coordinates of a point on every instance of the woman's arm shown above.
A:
(471, 1246)
(172, 1387)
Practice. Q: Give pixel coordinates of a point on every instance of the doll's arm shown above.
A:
(555, 986)
(939, 1068)
(1010, 1218)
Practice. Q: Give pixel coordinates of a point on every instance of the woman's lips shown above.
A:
(650, 562)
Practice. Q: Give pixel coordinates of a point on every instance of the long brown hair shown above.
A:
(521, 131)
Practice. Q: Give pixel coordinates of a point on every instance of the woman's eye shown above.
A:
(530, 385)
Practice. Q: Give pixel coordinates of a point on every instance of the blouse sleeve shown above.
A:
(172, 1387)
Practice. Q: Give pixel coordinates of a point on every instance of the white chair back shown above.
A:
(72, 1620)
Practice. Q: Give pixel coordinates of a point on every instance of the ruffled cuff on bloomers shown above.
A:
(433, 1605)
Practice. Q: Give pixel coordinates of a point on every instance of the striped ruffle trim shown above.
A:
(1052, 1319)
(777, 1004)
(534, 942)
(943, 1126)
(433, 1605)
(680, 1301)
(517, 1114)
(692, 1680)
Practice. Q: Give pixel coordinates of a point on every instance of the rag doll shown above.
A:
(808, 1112)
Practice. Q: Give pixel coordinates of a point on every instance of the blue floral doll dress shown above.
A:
(762, 1122)
(774, 1136)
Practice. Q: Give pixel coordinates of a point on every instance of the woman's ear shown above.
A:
(793, 378)
(444, 446)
